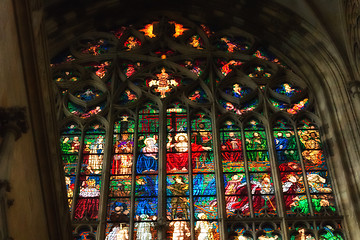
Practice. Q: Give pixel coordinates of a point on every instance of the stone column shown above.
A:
(12, 125)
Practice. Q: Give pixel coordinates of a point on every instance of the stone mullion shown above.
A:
(218, 175)
(105, 179)
(217, 159)
(78, 169)
(247, 172)
(133, 176)
(275, 175)
(12, 124)
(162, 174)
(191, 187)
(303, 171)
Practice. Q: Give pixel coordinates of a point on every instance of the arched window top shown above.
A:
(170, 127)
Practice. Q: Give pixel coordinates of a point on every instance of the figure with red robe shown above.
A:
(232, 149)
(88, 202)
(178, 160)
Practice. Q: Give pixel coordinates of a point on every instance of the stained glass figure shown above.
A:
(100, 69)
(302, 233)
(195, 66)
(259, 72)
(147, 160)
(120, 186)
(177, 157)
(236, 195)
(329, 233)
(232, 45)
(130, 68)
(297, 107)
(201, 143)
(239, 110)
(179, 229)
(128, 96)
(205, 230)
(226, 66)
(231, 148)
(198, 96)
(287, 89)
(196, 42)
(146, 196)
(163, 84)
(88, 94)
(148, 30)
(145, 230)
(118, 214)
(238, 91)
(70, 146)
(179, 189)
(80, 111)
(96, 47)
(131, 43)
(87, 204)
(67, 76)
(179, 29)
(266, 55)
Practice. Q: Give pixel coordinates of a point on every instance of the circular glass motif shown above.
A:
(88, 94)
(287, 89)
(238, 91)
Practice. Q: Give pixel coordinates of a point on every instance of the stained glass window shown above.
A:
(171, 130)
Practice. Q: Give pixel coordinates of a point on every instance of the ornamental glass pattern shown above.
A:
(170, 130)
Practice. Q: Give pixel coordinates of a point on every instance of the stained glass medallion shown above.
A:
(163, 83)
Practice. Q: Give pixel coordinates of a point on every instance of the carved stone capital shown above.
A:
(354, 88)
(13, 119)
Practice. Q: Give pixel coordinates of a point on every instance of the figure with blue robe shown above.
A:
(147, 160)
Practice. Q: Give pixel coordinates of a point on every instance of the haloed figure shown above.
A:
(143, 231)
(204, 228)
(181, 229)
